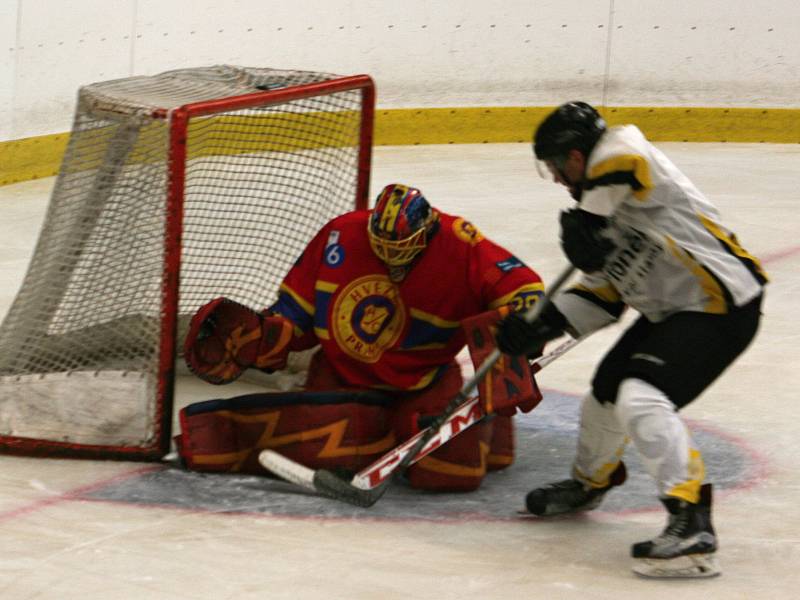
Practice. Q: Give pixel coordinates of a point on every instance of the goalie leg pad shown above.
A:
(345, 430)
(460, 464)
(501, 449)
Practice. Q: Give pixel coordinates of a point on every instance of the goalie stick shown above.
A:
(369, 485)
(467, 414)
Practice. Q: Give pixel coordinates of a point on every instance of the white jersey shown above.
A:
(672, 254)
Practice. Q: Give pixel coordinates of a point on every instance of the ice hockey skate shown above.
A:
(570, 495)
(685, 549)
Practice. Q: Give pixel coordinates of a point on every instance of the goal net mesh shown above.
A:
(81, 366)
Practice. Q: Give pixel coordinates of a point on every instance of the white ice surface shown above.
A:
(56, 544)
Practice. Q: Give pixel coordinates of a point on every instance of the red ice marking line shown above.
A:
(754, 474)
(779, 255)
(74, 494)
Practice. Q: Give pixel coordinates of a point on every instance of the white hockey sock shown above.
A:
(661, 438)
(601, 442)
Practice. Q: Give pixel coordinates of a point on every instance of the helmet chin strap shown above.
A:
(398, 273)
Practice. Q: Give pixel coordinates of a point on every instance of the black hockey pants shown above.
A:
(681, 355)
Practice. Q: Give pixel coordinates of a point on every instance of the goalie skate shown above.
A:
(685, 549)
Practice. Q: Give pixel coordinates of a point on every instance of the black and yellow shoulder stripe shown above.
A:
(625, 169)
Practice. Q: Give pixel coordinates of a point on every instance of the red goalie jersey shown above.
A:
(398, 335)
(384, 294)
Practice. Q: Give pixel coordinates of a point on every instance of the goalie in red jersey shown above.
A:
(384, 293)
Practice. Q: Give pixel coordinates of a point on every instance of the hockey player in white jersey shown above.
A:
(644, 237)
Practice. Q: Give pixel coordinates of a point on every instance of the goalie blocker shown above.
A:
(326, 427)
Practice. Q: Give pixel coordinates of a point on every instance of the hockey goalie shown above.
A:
(388, 297)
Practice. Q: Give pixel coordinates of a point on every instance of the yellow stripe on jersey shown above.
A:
(304, 304)
(431, 346)
(425, 380)
(326, 286)
(528, 288)
(626, 163)
(433, 319)
(607, 293)
(733, 245)
(716, 297)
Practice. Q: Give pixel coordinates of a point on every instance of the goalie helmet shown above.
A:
(574, 125)
(401, 224)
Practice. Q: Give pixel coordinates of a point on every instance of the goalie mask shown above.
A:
(400, 226)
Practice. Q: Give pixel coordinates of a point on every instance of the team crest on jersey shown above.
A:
(368, 317)
(466, 231)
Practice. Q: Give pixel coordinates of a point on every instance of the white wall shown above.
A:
(421, 52)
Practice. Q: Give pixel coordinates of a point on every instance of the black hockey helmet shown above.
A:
(574, 125)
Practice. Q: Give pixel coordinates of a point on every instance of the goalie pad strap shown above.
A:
(272, 400)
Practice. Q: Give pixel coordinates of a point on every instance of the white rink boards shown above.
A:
(92, 530)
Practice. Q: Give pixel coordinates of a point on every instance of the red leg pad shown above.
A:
(459, 465)
(320, 430)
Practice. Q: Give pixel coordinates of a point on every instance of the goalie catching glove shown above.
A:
(226, 337)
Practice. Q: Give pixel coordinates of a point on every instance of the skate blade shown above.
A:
(691, 566)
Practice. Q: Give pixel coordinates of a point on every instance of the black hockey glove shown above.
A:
(583, 241)
(515, 336)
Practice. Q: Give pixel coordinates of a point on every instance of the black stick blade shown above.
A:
(331, 485)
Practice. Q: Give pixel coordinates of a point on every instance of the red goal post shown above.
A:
(175, 189)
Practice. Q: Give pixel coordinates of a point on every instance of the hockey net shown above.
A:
(175, 189)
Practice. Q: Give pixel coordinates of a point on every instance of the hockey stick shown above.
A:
(359, 491)
(467, 414)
